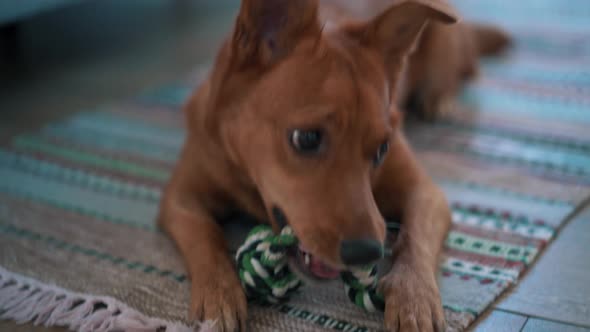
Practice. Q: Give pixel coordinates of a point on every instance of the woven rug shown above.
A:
(79, 247)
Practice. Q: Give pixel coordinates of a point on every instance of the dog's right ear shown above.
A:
(268, 30)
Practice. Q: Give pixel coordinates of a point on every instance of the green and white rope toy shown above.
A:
(267, 279)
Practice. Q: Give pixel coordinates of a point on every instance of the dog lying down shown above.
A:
(299, 124)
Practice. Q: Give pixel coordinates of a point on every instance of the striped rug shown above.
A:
(79, 247)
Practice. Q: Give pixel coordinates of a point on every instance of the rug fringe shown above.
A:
(25, 300)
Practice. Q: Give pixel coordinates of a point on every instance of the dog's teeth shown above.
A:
(306, 258)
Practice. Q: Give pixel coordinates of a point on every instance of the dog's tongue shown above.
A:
(321, 270)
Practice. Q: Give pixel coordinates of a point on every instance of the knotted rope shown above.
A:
(267, 279)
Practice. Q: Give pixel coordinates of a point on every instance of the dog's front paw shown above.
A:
(412, 300)
(217, 298)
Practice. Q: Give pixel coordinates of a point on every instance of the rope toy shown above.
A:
(267, 279)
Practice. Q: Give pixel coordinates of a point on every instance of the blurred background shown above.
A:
(62, 56)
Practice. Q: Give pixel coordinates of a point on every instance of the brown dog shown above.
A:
(298, 123)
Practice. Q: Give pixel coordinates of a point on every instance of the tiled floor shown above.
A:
(555, 293)
(96, 52)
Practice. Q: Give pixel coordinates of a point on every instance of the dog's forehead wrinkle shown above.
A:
(297, 80)
(323, 93)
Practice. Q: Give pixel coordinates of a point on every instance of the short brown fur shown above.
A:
(282, 69)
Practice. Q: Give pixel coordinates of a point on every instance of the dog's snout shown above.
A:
(360, 252)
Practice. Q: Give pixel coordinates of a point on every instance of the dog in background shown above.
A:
(299, 124)
(442, 59)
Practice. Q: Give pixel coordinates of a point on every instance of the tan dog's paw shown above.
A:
(218, 299)
(412, 301)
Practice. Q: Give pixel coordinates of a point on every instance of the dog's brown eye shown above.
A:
(381, 152)
(306, 141)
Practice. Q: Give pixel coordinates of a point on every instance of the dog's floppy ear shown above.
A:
(267, 30)
(396, 30)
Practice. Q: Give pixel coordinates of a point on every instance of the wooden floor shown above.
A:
(100, 51)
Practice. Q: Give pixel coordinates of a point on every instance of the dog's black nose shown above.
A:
(360, 252)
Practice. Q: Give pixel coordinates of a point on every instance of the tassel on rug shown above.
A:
(25, 300)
